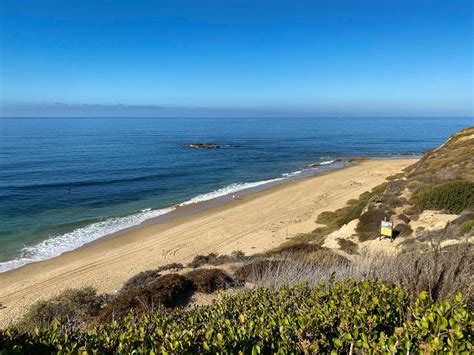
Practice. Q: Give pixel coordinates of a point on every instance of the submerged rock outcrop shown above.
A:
(202, 145)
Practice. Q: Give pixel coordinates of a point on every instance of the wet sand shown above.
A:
(253, 224)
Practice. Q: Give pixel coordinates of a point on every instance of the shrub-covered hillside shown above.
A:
(331, 317)
(453, 160)
(432, 202)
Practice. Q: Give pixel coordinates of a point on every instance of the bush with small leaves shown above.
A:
(369, 223)
(211, 259)
(171, 266)
(170, 291)
(77, 306)
(347, 245)
(402, 230)
(452, 197)
(345, 317)
(210, 280)
(140, 280)
(467, 226)
(238, 254)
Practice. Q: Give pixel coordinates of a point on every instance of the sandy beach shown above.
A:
(253, 224)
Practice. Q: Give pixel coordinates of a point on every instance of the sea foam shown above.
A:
(56, 245)
(229, 189)
(328, 162)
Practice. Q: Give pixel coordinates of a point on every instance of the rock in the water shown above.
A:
(202, 145)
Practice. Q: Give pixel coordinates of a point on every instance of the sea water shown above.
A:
(65, 182)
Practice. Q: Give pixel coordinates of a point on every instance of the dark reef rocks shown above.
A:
(202, 145)
(210, 145)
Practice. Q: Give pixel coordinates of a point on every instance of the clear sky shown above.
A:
(236, 58)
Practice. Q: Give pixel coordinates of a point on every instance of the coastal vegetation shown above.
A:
(210, 280)
(411, 294)
(169, 291)
(79, 307)
(216, 259)
(467, 226)
(441, 180)
(452, 197)
(333, 220)
(145, 277)
(352, 316)
(401, 303)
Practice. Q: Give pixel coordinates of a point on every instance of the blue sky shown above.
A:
(306, 58)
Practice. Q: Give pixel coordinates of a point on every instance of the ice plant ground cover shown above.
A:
(338, 317)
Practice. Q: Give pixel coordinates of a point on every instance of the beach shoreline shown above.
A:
(257, 222)
(189, 208)
(64, 243)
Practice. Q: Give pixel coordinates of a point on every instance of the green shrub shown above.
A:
(145, 277)
(77, 306)
(352, 210)
(216, 259)
(467, 226)
(303, 252)
(317, 236)
(357, 317)
(140, 280)
(369, 223)
(211, 258)
(334, 220)
(209, 280)
(347, 245)
(295, 248)
(170, 291)
(171, 266)
(452, 197)
(344, 215)
(238, 254)
(395, 176)
(402, 230)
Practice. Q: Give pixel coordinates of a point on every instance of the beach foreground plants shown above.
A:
(337, 317)
(79, 306)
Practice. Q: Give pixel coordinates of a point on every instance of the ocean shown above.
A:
(65, 182)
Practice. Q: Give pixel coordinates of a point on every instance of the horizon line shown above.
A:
(242, 117)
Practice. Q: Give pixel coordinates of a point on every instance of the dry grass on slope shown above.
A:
(440, 272)
(453, 160)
